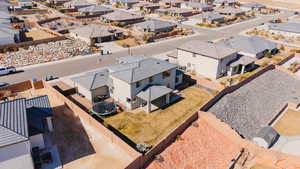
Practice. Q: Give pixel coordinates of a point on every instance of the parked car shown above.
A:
(7, 70)
(296, 13)
(50, 77)
(2, 84)
(182, 20)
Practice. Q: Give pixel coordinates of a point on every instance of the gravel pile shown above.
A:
(45, 53)
(251, 107)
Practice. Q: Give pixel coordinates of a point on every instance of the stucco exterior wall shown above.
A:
(16, 156)
(202, 65)
(37, 141)
(290, 34)
(121, 91)
(224, 65)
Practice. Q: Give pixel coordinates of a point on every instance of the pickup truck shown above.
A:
(7, 70)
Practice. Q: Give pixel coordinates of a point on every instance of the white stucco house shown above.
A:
(22, 124)
(290, 29)
(25, 3)
(252, 46)
(206, 59)
(133, 82)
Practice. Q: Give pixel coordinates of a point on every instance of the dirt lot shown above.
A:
(39, 34)
(291, 4)
(150, 128)
(259, 166)
(289, 123)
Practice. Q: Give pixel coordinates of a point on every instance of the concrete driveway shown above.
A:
(288, 144)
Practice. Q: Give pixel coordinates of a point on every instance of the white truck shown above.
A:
(7, 70)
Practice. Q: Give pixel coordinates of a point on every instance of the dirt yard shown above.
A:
(259, 166)
(289, 123)
(82, 146)
(39, 34)
(151, 128)
(291, 4)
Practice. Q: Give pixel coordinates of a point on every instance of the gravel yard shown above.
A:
(41, 53)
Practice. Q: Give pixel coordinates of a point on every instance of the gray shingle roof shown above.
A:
(209, 16)
(153, 92)
(155, 25)
(197, 5)
(131, 58)
(252, 44)
(126, 1)
(286, 27)
(121, 16)
(92, 80)
(243, 60)
(253, 5)
(76, 3)
(95, 31)
(146, 68)
(95, 8)
(13, 122)
(251, 107)
(207, 49)
(230, 11)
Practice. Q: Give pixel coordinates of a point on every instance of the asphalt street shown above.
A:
(85, 63)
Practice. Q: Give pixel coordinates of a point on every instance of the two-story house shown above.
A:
(206, 59)
(133, 82)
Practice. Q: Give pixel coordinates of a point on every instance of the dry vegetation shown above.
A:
(289, 123)
(39, 34)
(150, 128)
(259, 166)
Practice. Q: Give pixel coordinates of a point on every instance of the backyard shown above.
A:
(150, 128)
(289, 123)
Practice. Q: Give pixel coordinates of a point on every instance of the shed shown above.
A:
(266, 137)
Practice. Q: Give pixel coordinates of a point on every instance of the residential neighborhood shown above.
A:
(149, 84)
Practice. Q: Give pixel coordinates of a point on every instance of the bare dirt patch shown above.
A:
(289, 124)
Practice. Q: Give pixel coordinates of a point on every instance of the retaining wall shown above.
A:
(88, 119)
(235, 87)
(30, 43)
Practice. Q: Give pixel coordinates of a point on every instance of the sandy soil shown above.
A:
(80, 145)
(290, 4)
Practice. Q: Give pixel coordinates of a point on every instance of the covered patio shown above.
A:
(158, 96)
(242, 65)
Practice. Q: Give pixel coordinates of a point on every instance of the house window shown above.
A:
(137, 84)
(176, 79)
(151, 79)
(166, 74)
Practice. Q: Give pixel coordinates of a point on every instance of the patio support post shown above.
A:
(243, 69)
(168, 98)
